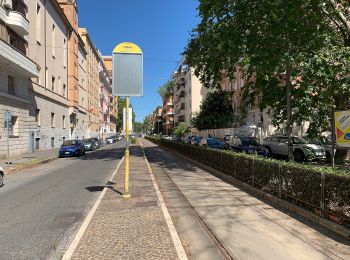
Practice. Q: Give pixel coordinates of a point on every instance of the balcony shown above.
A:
(182, 94)
(17, 22)
(14, 60)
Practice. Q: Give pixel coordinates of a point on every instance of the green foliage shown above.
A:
(121, 105)
(215, 111)
(165, 90)
(301, 42)
(138, 127)
(133, 140)
(181, 129)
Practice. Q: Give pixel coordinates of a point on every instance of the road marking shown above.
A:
(88, 219)
(174, 235)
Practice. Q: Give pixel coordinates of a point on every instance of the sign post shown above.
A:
(127, 81)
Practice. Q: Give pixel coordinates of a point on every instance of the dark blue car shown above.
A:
(72, 148)
(213, 143)
(249, 145)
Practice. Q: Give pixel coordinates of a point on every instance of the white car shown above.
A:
(303, 151)
(1, 176)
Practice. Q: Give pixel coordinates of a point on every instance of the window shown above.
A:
(38, 23)
(52, 142)
(64, 90)
(59, 84)
(10, 86)
(37, 116)
(14, 126)
(53, 41)
(65, 53)
(64, 121)
(52, 119)
(53, 83)
(13, 41)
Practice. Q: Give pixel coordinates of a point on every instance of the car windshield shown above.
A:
(70, 143)
(86, 141)
(297, 140)
(250, 142)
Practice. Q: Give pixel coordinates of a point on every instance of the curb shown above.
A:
(29, 165)
(325, 223)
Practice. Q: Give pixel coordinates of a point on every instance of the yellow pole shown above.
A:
(126, 194)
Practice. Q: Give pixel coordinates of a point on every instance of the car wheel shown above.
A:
(299, 156)
(1, 179)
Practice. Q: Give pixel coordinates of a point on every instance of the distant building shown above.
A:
(168, 115)
(189, 92)
(113, 114)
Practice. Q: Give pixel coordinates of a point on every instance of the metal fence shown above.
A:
(327, 195)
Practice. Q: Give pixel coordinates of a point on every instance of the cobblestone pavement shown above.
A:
(128, 229)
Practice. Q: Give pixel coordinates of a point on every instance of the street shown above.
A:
(42, 208)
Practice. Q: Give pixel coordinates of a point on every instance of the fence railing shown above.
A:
(327, 195)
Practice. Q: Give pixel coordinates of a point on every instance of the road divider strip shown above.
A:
(174, 235)
(88, 219)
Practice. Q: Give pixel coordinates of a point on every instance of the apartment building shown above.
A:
(77, 114)
(105, 98)
(113, 102)
(189, 92)
(168, 114)
(93, 84)
(16, 69)
(157, 120)
(49, 32)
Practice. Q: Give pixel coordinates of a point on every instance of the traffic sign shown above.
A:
(127, 70)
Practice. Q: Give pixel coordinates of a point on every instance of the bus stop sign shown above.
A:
(127, 70)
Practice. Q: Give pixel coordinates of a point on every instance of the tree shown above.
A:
(181, 129)
(138, 127)
(215, 111)
(298, 47)
(121, 105)
(165, 90)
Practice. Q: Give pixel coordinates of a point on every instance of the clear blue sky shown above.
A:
(160, 27)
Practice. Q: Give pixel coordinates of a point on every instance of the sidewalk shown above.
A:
(245, 226)
(136, 228)
(27, 160)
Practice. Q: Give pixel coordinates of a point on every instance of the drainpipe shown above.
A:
(45, 43)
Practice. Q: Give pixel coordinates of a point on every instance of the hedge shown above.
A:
(322, 190)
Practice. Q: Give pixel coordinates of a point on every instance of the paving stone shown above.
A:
(128, 229)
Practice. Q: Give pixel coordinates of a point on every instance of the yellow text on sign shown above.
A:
(127, 47)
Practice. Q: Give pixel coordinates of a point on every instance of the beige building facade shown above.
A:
(93, 85)
(49, 95)
(16, 69)
(189, 92)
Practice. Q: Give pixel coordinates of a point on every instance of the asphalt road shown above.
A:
(41, 209)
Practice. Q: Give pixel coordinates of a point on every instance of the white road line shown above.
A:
(174, 235)
(87, 221)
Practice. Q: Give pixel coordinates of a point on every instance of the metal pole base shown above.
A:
(126, 196)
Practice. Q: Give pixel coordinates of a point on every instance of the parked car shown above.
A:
(212, 143)
(166, 137)
(109, 140)
(196, 140)
(324, 142)
(2, 173)
(303, 151)
(72, 148)
(90, 144)
(227, 138)
(247, 144)
(188, 139)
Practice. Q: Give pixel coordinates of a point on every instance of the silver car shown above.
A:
(303, 151)
(2, 173)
